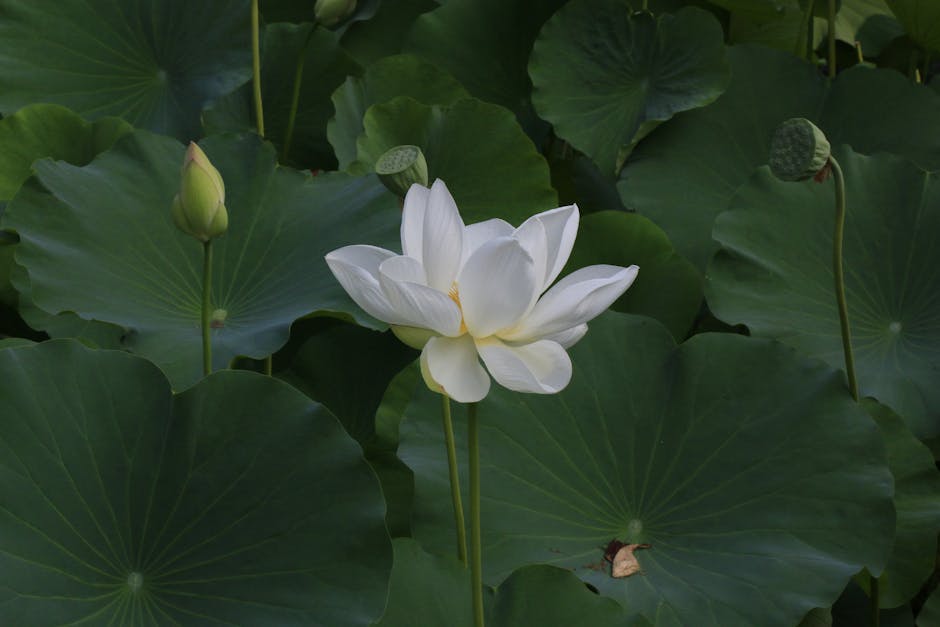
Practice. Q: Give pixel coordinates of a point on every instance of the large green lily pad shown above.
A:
(712, 151)
(325, 67)
(478, 149)
(758, 483)
(99, 240)
(239, 501)
(155, 64)
(434, 590)
(486, 44)
(398, 75)
(606, 77)
(774, 274)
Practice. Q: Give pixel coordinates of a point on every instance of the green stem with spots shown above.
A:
(206, 308)
(256, 66)
(459, 524)
(476, 550)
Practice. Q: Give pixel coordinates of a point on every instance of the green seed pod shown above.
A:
(199, 208)
(401, 167)
(798, 150)
(331, 12)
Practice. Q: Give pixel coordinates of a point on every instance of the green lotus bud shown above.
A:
(401, 167)
(332, 12)
(199, 208)
(798, 151)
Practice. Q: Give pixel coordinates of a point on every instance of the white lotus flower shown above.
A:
(461, 293)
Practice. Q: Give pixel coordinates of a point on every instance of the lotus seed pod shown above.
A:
(331, 12)
(401, 167)
(199, 208)
(798, 150)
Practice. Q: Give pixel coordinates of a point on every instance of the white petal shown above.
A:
(541, 367)
(532, 237)
(415, 304)
(442, 238)
(568, 337)
(412, 221)
(403, 268)
(496, 286)
(477, 234)
(452, 364)
(561, 228)
(576, 299)
(356, 268)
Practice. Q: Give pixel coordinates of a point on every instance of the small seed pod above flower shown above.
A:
(799, 151)
(199, 207)
(401, 167)
(329, 13)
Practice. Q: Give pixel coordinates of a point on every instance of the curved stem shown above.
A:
(839, 274)
(840, 278)
(206, 308)
(256, 66)
(832, 38)
(476, 552)
(295, 98)
(459, 523)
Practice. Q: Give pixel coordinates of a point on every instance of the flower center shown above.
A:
(454, 295)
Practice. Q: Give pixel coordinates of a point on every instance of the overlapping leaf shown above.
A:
(486, 44)
(478, 149)
(239, 501)
(98, 240)
(605, 77)
(758, 483)
(668, 287)
(683, 176)
(774, 274)
(433, 590)
(399, 75)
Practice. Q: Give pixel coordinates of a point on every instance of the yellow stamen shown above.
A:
(454, 294)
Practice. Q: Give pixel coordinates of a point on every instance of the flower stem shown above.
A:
(832, 38)
(476, 552)
(804, 39)
(459, 524)
(839, 274)
(840, 277)
(268, 364)
(256, 66)
(295, 98)
(206, 308)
